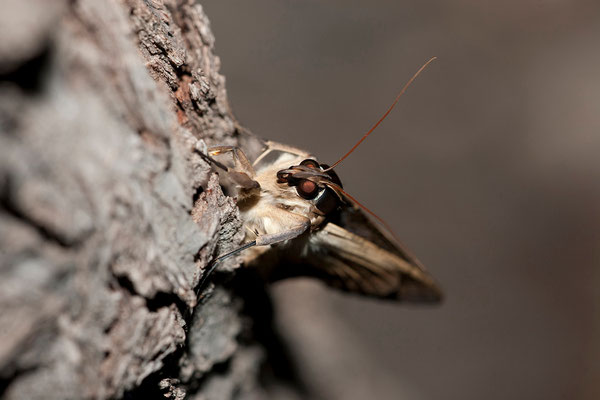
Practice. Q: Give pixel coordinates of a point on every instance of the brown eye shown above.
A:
(307, 189)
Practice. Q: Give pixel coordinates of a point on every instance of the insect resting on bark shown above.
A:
(299, 221)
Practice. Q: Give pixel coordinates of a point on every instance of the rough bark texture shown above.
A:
(101, 104)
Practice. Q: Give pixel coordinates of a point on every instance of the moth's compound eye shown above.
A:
(327, 201)
(310, 163)
(307, 189)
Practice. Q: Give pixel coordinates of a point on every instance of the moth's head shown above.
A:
(314, 182)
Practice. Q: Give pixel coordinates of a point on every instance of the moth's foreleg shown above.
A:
(213, 264)
(241, 178)
(272, 238)
(296, 226)
(239, 158)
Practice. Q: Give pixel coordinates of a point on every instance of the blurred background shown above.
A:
(488, 170)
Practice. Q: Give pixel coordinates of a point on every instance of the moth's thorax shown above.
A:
(257, 207)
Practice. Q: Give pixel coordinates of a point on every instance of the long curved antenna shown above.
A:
(384, 115)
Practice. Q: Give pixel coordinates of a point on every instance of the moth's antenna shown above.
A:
(384, 115)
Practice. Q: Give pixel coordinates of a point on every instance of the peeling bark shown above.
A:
(101, 105)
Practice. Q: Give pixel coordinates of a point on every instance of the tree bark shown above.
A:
(101, 105)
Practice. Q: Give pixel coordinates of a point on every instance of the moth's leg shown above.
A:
(241, 178)
(213, 264)
(297, 225)
(294, 226)
(239, 158)
(265, 240)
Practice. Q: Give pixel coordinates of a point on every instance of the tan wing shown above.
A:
(355, 264)
(351, 263)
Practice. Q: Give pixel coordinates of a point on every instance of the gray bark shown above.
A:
(101, 105)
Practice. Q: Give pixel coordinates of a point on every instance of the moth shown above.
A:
(299, 221)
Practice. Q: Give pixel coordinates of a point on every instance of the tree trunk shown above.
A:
(101, 105)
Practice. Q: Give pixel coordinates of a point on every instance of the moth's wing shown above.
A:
(354, 220)
(359, 258)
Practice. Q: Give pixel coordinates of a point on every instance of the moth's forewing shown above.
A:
(379, 257)
(349, 252)
(351, 263)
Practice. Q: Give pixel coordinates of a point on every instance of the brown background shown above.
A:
(488, 170)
